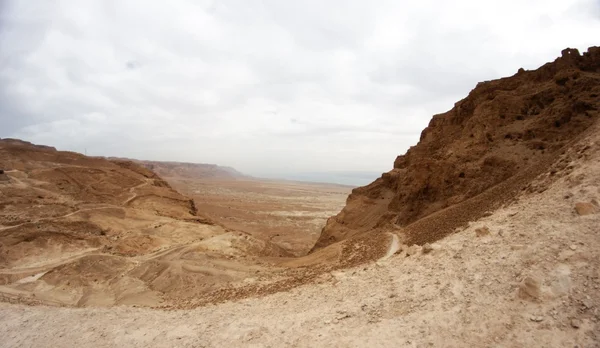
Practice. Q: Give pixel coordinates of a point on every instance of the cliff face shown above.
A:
(502, 129)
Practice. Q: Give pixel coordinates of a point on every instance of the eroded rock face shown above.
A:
(503, 128)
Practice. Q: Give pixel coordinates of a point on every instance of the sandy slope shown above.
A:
(468, 291)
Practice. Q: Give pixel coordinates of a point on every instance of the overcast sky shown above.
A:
(265, 86)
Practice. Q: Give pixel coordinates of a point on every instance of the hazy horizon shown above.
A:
(266, 88)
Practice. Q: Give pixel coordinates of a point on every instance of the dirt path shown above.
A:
(131, 190)
(104, 206)
(44, 266)
(134, 195)
(466, 292)
(394, 246)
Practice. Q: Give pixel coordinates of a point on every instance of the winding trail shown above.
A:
(394, 246)
(134, 195)
(107, 206)
(40, 267)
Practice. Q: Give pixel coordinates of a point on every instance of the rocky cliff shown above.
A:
(493, 142)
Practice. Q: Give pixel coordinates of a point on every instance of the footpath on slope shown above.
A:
(526, 275)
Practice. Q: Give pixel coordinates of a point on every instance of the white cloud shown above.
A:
(267, 87)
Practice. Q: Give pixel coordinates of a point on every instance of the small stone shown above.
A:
(412, 250)
(427, 248)
(482, 231)
(536, 318)
(587, 304)
(531, 288)
(576, 323)
(342, 315)
(585, 208)
(573, 247)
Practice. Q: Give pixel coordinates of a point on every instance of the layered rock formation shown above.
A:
(505, 132)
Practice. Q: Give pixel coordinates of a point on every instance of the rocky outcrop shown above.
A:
(502, 130)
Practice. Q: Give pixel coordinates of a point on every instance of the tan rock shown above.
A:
(413, 250)
(531, 287)
(482, 231)
(427, 248)
(585, 208)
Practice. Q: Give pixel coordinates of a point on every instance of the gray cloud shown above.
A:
(267, 87)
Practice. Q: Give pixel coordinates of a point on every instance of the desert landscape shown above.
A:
(290, 214)
(485, 233)
(92, 231)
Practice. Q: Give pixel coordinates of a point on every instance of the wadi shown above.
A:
(485, 233)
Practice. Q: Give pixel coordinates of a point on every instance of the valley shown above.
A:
(485, 233)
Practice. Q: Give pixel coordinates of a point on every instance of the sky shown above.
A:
(269, 87)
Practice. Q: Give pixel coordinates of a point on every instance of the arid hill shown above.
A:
(479, 154)
(522, 275)
(71, 179)
(82, 231)
(77, 230)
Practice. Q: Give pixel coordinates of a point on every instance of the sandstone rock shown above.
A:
(482, 231)
(531, 288)
(585, 208)
(576, 323)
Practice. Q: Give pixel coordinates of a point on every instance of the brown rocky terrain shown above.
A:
(510, 176)
(86, 231)
(526, 275)
(478, 155)
(82, 231)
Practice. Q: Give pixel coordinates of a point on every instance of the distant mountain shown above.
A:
(191, 170)
(350, 178)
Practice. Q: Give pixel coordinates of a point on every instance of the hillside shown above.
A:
(77, 230)
(510, 177)
(526, 275)
(479, 155)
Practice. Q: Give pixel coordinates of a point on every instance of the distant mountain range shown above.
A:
(190, 170)
(350, 178)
